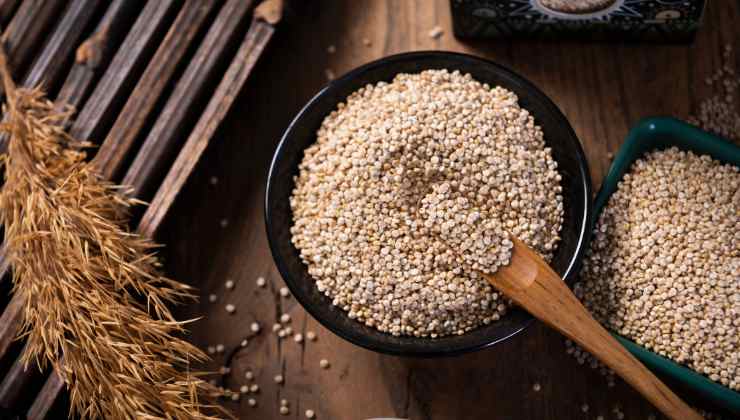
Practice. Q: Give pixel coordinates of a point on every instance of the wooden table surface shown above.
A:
(602, 89)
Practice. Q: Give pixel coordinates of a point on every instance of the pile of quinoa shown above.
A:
(663, 268)
(577, 6)
(411, 189)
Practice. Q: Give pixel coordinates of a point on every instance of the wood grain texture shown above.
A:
(27, 29)
(251, 48)
(133, 51)
(160, 143)
(41, 407)
(48, 65)
(112, 89)
(141, 101)
(7, 8)
(13, 385)
(94, 53)
(10, 320)
(530, 282)
(253, 45)
(602, 89)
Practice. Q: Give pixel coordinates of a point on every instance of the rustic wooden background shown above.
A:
(602, 89)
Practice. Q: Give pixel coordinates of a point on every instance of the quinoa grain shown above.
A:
(411, 189)
(664, 263)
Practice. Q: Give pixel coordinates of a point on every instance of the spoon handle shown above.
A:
(530, 282)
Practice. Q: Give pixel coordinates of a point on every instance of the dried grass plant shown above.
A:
(93, 292)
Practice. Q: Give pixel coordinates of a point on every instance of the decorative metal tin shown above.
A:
(629, 20)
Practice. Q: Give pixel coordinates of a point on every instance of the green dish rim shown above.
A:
(660, 133)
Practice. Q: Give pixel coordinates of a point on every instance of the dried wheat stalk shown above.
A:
(92, 289)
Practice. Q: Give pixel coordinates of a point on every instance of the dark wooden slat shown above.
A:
(63, 41)
(141, 35)
(46, 398)
(110, 90)
(95, 52)
(259, 34)
(27, 29)
(17, 379)
(7, 8)
(163, 136)
(144, 97)
(9, 322)
(15, 382)
(10, 318)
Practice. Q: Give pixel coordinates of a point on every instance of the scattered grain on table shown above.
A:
(719, 112)
(436, 32)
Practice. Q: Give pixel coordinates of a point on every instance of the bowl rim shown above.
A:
(584, 174)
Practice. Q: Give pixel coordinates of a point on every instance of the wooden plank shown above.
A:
(46, 398)
(48, 65)
(145, 95)
(254, 43)
(9, 322)
(259, 34)
(13, 385)
(26, 31)
(162, 138)
(94, 53)
(7, 9)
(11, 318)
(111, 90)
(133, 50)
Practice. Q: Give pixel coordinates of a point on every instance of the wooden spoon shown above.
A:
(530, 282)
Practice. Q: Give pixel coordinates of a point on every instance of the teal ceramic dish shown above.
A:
(660, 133)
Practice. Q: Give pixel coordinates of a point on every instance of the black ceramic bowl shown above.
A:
(559, 136)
